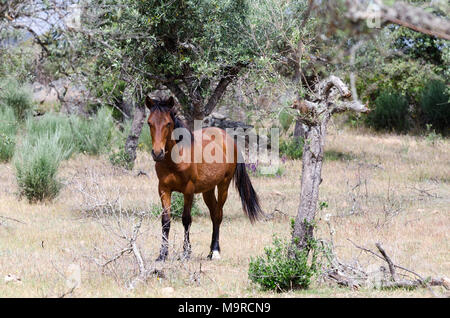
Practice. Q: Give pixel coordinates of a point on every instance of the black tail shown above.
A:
(249, 198)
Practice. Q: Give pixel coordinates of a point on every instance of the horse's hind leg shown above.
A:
(211, 202)
(216, 217)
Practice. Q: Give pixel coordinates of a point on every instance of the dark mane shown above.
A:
(162, 105)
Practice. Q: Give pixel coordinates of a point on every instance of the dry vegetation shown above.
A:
(383, 188)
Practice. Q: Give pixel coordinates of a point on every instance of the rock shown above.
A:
(218, 116)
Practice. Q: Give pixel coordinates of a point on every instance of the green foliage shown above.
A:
(8, 130)
(17, 97)
(292, 148)
(407, 77)
(52, 124)
(201, 40)
(177, 206)
(145, 139)
(435, 105)
(121, 158)
(17, 61)
(418, 45)
(94, 135)
(36, 162)
(333, 155)
(259, 170)
(431, 136)
(390, 113)
(281, 268)
(286, 119)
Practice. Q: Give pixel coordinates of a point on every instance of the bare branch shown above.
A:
(402, 14)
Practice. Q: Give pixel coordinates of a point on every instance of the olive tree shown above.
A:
(195, 49)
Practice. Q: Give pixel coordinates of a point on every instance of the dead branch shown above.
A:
(404, 283)
(11, 219)
(399, 13)
(389, 261)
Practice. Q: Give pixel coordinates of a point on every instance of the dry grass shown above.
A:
(389, 189)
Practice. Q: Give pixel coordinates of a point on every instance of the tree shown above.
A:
(315, 115)
(193, 48)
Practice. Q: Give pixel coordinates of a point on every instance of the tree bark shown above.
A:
(314, 117)
(136, 128)
(311, 179)
(299, 130)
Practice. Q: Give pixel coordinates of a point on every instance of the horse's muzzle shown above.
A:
(159, 156)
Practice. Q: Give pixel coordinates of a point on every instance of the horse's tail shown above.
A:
(249, 198)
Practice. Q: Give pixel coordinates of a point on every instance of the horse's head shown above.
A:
(161, 122)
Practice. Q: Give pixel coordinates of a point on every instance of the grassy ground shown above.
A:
(385, 188)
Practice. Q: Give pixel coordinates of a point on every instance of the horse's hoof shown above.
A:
(214, 255)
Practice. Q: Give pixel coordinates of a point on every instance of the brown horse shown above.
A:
(195, 176)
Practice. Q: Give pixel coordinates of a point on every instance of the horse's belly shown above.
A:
(209, 175)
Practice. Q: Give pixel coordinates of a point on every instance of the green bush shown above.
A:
(51, 124)
(292, 148)
(121, 159)
(94, 135)
(16, 97)
(8, 129)
(435, 105)
(390, 113)
(176, 206)
(37, 162)
(281, 268)
(145, 139)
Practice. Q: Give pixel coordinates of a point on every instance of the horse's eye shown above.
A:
(168, 125)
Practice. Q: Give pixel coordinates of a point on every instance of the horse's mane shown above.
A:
(163, 106)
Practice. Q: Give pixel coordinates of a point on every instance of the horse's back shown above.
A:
(218, 158)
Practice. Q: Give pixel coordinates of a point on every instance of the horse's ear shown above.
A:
(170, 102)
(149, 102)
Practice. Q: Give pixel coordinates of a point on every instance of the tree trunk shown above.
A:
(311, 178)
(299, 130)
(136, 128)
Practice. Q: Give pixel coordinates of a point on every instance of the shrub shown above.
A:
(8, 129)
(121, 159)
(94, 135)
(390, 113)
(145, 139)
(258, 170)
(37, 162)
(176, 206)
(281, 268)
(435, 106)
(292, 148)
(16, 97)
(51, 124)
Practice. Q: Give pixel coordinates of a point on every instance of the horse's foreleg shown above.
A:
(187, 220)
(165, 196)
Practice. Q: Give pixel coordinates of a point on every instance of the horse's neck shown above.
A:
(168, 159)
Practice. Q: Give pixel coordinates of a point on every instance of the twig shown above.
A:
(389, 261)
(12, 219)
